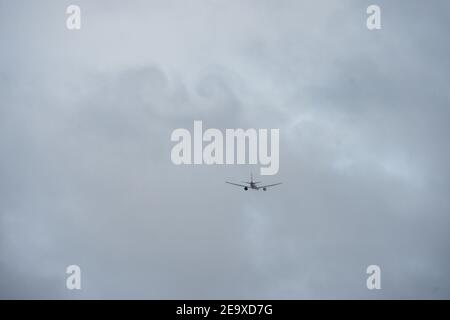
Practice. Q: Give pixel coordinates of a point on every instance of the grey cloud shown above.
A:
(85, 170)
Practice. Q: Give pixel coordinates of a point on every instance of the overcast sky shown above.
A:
(86, 176)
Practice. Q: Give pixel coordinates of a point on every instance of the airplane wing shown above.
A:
(269, 185)
(239, 185)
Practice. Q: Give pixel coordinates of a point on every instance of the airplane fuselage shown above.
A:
(253, 185)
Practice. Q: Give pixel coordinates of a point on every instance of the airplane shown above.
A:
(253, 184)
